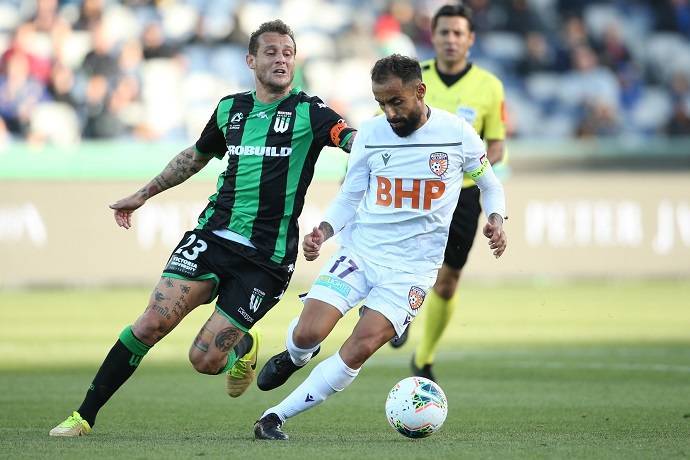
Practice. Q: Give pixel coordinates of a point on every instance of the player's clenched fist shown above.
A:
(312, 244)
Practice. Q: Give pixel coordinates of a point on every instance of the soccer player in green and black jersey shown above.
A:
(244, 248)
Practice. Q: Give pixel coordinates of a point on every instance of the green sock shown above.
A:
(232, 359)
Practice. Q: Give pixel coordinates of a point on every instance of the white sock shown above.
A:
(299, 356)
(330, 376)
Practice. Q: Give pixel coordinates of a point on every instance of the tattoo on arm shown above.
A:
(327, 230)
(183, 166)
(227, 338)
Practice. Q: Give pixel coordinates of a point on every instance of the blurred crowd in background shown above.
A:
(154, 70)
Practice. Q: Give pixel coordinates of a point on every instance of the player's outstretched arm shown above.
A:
(493, 230)
(183, 166)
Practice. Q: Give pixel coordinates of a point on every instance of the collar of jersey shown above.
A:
(258, 103)
(460, 75)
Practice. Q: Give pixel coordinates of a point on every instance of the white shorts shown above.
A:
(347, 279)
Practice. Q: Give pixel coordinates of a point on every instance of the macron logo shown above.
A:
(386, 156)
(309, 398)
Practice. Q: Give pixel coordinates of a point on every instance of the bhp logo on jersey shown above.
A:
(393, 193)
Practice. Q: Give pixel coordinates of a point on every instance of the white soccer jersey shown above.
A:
(410, 188)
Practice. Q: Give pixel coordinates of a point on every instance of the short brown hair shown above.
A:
(276, 26)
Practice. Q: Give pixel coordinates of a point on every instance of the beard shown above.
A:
(408, 125)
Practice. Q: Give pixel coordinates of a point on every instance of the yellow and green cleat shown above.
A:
(74, 425)
(241, 375)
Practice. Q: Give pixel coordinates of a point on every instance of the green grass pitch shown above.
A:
(583, 370)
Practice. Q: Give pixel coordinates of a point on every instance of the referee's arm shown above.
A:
(494, 150)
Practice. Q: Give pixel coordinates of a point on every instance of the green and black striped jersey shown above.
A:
(272, 149)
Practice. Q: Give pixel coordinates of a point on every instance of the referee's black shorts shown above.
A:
(463, 228)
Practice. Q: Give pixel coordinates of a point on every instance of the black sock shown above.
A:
(243, 347)
(118, 366)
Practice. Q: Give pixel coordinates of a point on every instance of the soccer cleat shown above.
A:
(268, 427)
(74, 425)
(397, 342)
(241, 375)
(424, 371)
(278, 370)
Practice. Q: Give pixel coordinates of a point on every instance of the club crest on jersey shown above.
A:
(416, 297)
(282, 122)
(256, 299)
(438, 162)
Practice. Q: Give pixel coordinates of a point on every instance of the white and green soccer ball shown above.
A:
(416, 407)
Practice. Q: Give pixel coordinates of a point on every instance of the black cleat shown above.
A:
(397, 342)
(424, 371)
(278, 370)
(268, 427)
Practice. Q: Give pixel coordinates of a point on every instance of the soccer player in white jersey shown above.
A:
(392, 213)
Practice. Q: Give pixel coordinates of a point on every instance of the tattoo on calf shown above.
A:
(158, 295)
(227, 338)
(202, 340)
(169, 282)
(185, 289)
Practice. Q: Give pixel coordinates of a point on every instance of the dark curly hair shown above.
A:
(403, 67)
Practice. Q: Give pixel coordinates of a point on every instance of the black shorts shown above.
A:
(463, 228)
(247, 284)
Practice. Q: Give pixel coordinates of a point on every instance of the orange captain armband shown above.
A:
(337, 130)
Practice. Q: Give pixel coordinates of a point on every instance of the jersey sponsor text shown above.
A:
(259, 151)
(393, 193)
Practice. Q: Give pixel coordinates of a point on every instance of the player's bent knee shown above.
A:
(446, 291)
(203, 363)
(356, 356)
(306, 337)
(446, 285)
(149, 330)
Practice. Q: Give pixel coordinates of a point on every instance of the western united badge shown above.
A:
(416, 297)
(438, 162)
(282, 122)
(256, 299)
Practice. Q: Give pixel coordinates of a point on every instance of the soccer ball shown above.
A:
(416, 407)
